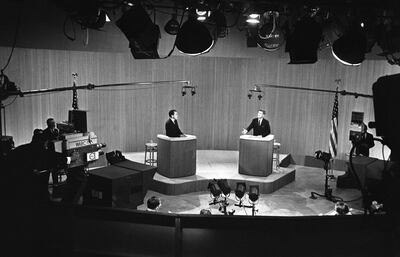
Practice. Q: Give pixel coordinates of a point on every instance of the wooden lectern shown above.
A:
(176, 156)
(255, 155)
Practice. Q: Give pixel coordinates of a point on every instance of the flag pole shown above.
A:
(332, 161)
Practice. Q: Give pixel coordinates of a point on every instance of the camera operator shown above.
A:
(52, 133)
(28, 166)
(25, 177)
(364, 142)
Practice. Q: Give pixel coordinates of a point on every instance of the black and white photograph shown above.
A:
(193, 128)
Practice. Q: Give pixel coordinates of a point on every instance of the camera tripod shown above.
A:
(328, 190)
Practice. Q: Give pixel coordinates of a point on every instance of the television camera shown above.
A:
(84, 144)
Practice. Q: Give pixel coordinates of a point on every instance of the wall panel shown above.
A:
(127, 117)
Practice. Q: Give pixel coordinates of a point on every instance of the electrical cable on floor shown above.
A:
(353, 200)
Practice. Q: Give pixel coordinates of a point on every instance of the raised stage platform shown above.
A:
(219, 164)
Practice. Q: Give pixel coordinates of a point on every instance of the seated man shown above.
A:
(259, 125)
(171, 126)
(153, 203)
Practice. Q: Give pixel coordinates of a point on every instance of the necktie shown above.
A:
(259, 122)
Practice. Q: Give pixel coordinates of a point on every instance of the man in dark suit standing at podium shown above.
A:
(171, 126)
(259, 125)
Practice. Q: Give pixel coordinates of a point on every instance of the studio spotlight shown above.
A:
(259, 97)
(172, 26)
(202, 11)
(193, 91)
(269, 35)
(224, 186)
(253, 18)
(183, 91)
(214, 189)
(108, 18)
(142, 33)
(240, 190)
(219, 20)
(254, 193)
(303, 43)
(249, 95)
(194, 38)
(350, 48)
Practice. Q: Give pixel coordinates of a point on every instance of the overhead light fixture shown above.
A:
(194, 38)
(107, 18)
(253, 18)
(219, 21)
(142, 33)
(303, 43)
(350, 48)
(202, 15)
(269, 34)
(172, 26)
(202, 11)
(88, 14)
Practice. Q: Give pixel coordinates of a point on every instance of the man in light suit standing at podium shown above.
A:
(259, 125)
(171, 126)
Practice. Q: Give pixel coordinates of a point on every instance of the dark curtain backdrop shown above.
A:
(126, 117)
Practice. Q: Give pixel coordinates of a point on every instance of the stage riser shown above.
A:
(220, 164)
(201, 185)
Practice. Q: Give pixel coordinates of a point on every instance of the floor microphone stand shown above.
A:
(327, 189)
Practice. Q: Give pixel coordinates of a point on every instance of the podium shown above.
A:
(255, 155)
(176, 156)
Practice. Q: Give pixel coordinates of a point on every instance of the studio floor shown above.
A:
(292, 199)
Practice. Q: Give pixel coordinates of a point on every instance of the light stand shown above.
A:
(252, 206)
(217, 187)
(223, 203)
(253, 196)
(328, 190)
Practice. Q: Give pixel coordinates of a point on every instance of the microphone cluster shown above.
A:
(188, 87)
(256, 89)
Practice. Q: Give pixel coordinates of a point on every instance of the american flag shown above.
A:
(333, 138)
